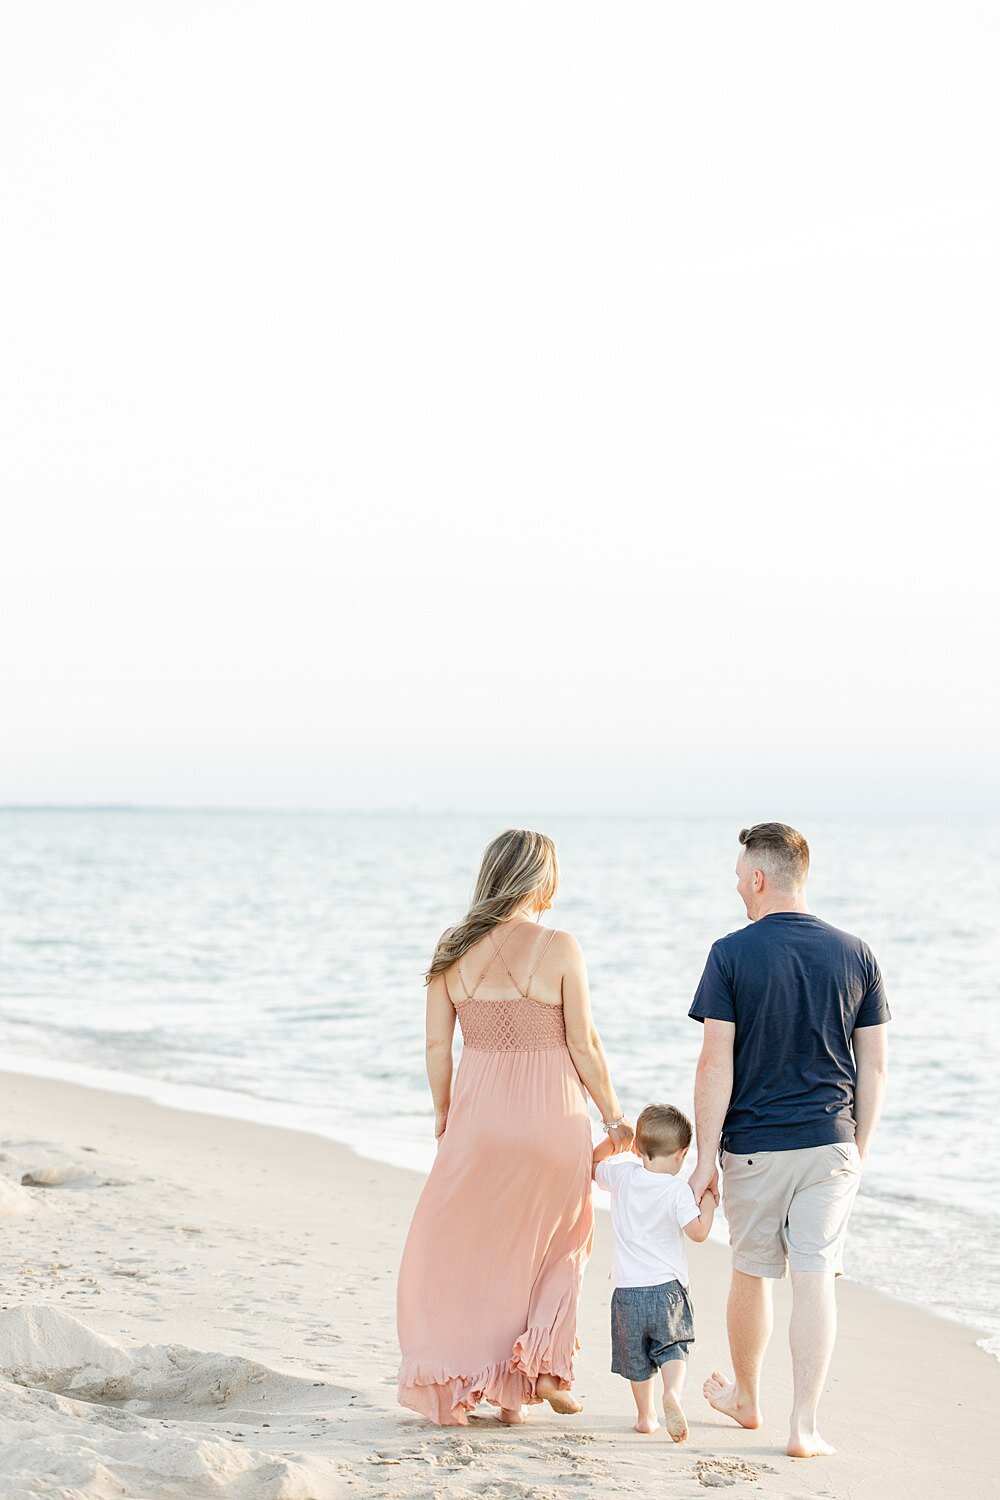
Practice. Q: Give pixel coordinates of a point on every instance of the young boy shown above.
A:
(652, 1209)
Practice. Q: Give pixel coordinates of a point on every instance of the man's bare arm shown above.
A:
(713, 1089)
(871, 1054)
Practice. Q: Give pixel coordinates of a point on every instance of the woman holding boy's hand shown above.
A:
(494, 1260)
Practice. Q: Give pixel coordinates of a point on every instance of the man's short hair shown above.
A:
(780, 851)
(661, 1130)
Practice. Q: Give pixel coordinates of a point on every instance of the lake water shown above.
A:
(276, 960)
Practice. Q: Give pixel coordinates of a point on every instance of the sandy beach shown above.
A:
(193, 1306)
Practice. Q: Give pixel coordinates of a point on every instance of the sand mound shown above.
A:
(49, 1349)
(44, 1164)
(42, 1346)
(82, 1417)
(65, 1450)
(62, 1176)
(67, 1175)
(14, 1201)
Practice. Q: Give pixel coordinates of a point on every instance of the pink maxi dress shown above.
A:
(494, 1259)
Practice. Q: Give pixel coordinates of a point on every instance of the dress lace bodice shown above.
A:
(519, 1025)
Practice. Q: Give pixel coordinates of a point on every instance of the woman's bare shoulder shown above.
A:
(563, 945)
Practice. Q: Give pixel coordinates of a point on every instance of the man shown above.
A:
(791, 1081)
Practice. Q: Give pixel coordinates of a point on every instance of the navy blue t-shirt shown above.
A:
(796, 989)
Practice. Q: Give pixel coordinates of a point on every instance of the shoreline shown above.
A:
(274, 1252)
(254, 1109)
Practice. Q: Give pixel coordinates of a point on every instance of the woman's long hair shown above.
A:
(517, 865)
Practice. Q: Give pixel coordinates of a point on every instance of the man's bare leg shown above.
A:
(673, 1373)
(749, 1318)
(811, 1335)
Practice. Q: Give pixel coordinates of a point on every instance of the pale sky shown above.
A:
(561, 407)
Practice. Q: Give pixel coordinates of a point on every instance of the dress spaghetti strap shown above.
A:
(534, 966)
(499, 955)
(471, 994)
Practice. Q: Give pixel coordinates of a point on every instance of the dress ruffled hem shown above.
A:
(446, 1398)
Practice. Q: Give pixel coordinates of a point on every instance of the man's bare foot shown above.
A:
(721, 1393)
(547, 1386)
(676, 1421)
(807, 1445)
(647, 1424)
(511, 1416)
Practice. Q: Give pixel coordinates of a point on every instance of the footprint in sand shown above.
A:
(719, 1473)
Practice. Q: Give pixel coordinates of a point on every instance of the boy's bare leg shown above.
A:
(749, 1318)
(642, 1390)
(811, 1335)
(673, 1373)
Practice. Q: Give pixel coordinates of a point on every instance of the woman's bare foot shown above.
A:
(547, 1386)
(807, 1445)
(647, 1424)
(721, 1393)
(674, 1418)
(512, 1416)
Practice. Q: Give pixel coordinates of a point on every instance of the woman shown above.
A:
(491, 1272)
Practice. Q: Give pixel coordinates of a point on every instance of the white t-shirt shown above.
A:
(648, 1214)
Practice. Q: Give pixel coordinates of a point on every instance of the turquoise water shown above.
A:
(277, 958)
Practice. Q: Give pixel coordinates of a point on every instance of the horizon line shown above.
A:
(410, 811)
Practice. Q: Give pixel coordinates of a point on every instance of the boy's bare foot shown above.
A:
(673, 1416)
(721, 1393)
(807, 1445)
(647, 1424)
(547, 1386)
(511, 1416)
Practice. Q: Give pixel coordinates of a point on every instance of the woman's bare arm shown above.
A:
(440, 1034)
(583, 1041)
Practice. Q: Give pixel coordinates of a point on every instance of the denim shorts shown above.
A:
(649, 1326)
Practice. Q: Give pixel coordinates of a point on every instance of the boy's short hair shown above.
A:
(662, 1129)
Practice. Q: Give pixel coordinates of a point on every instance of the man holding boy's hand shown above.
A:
(790, 1083)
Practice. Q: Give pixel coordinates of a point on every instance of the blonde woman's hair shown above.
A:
(517, 865)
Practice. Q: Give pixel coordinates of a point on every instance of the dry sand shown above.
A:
(197, 1307)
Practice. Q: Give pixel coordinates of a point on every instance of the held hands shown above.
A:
(705, 1179)
(621, 1137)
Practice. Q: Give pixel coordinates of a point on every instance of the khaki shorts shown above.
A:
(790, 1208)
